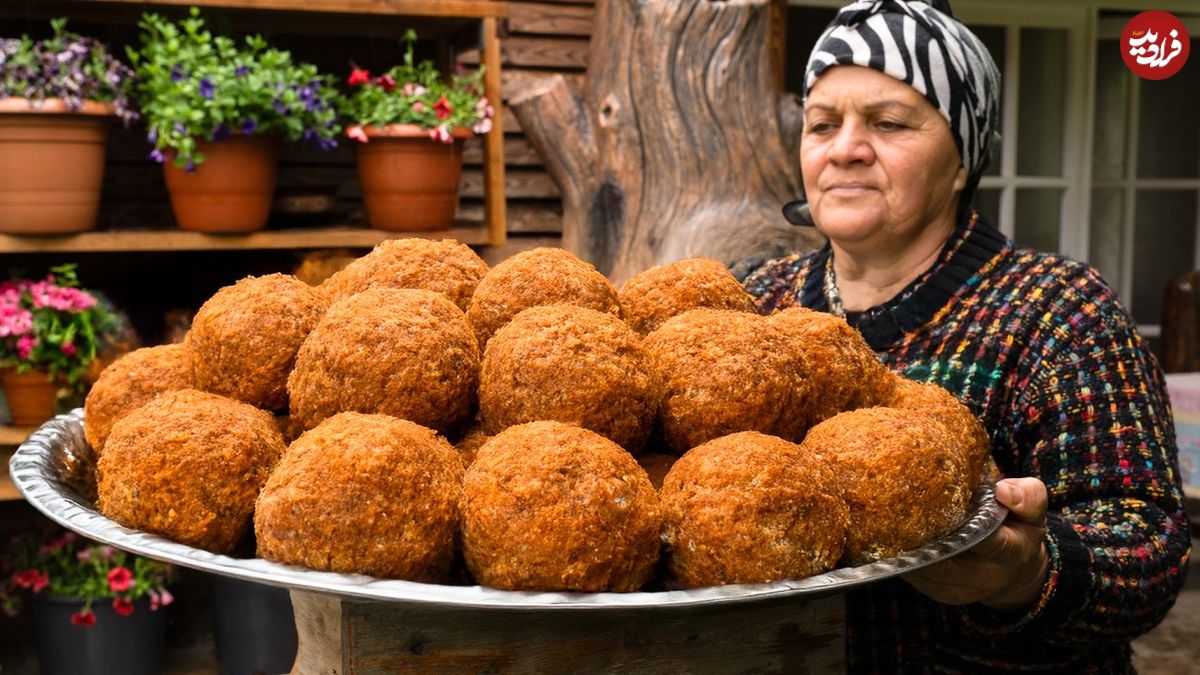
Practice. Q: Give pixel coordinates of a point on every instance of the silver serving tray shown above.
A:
(55, 471)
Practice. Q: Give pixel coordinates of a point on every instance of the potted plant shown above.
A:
(218, 111)
(50, 331)
(95, 608)
(410, 123)
(57, 97)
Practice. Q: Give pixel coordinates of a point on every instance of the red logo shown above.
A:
(1155, 45)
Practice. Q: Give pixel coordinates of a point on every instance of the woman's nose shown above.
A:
(851, 144)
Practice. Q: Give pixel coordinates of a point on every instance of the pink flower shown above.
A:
(359, 76)
(119, 579)
(418, 106)
(68, 348)
(482, 126)
(356, 132)
(25, 345)
(413, 89)
(105, 552)
(83, 555)
(443, 108)
(84, 618)
(122, 606)
(441, 134)
(165, 597)
(154, 601)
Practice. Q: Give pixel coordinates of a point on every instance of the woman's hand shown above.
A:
(1006, 571)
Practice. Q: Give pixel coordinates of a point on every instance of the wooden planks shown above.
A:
(537, 52)
(179, 240)
(545, 19)
(442, 8)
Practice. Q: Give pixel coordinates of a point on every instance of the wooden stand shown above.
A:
(785, 636)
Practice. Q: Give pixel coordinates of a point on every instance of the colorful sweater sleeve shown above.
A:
(1094, 425)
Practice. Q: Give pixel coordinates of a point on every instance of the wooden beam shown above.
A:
(493, 145)
(546, 19)
(448, 8)
(8, 491)
(180, 240)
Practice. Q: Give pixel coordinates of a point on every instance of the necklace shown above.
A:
(832, 295)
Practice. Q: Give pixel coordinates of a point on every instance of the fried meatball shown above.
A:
(445, 266)
(902, 479)
(842, 369)
(659, 293)
(543, 276)
(751, 508)
(552, 507)
(131, 382)
(367, 494)
(188, 466)
(399, 352)
(723, 372)
(965, 431)
(468, 446)
(245, 337)
(570, 364)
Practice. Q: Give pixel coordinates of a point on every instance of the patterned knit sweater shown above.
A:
(1042, 351)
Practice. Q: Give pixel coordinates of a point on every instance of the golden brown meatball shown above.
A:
(966, 433)
(131, 382)
(570, 364)
(445, 266)
(903, 481)
(552, 507)
(659, 293)
(367, 494)
(724, 372)
(543, 276)
(751, 508)
(399, 352)
(841, 367)
(245, 337)
(188, 466)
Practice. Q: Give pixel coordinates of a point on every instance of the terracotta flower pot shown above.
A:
(51, 165)
(409, 181)
(231, 190)
(31, 396)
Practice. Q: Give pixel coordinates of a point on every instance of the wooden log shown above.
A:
(517, 82)
(672, 152)
(784, 636)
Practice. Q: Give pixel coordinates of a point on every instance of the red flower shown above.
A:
(443, 108)
(83, 618)
(122, 606)
(40, 581)
(359, 76)
(119, 579)
(25, 578)
(387, 82)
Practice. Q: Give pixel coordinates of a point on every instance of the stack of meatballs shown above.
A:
(420, 416)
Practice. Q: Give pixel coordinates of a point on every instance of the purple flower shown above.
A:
(177, 72)
(207, 88)
(242, 71)
(152, 136)
(180, 129)
(248, 127)
(220, 132)
(191, 167)
(158, 156)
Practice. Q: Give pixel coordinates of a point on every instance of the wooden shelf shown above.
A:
(8, 491)
(10, 436)
(180, 240)
(478, 9)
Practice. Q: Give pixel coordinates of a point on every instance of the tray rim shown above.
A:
(35, 473)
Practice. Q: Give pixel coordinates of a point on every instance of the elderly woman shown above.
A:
(901, 113)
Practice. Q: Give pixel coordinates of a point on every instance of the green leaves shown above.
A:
(197, 86)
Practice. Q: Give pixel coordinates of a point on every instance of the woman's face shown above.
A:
(879, 163)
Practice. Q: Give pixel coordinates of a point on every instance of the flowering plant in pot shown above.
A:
(216, 110)
(410, 122)
(96, 608)
(57, 97)
(50, 332)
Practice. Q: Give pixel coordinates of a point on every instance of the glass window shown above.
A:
(987, 203)
(1042, 102)
(1168, 135)
(993, 39)
(1113, 82)
(1164, 247)
(1038, 213)
(1105, 239)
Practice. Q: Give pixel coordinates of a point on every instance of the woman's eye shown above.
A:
(888, 125)
(819, 127)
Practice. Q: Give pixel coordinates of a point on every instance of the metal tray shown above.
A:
(55, 471)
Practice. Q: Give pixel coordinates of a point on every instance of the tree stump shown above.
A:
(785, 635)
(683, 143)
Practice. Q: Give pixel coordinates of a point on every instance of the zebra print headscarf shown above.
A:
(925, 47)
